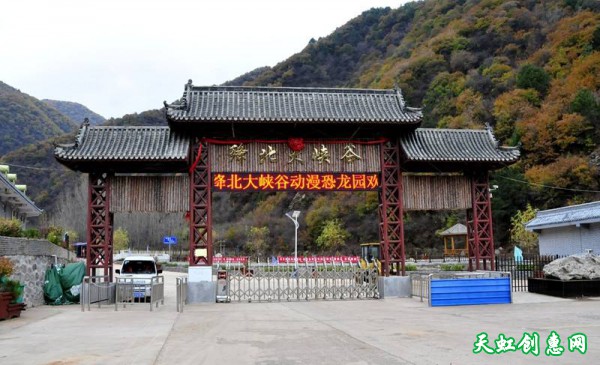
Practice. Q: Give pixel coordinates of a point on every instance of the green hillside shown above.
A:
(75, 111)
(25, 120)
(35, 166)
(151, 117)
(44, 176)
(530, 69)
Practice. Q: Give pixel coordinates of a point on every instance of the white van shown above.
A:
(141, 269)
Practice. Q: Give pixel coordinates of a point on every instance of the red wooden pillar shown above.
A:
(201, 245)
(391, 211)
(479, 227)
(99, 253)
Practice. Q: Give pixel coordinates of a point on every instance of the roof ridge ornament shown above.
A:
(399, 96)
(181, 104)
(81, 135)
(78, 140)
(490, 131)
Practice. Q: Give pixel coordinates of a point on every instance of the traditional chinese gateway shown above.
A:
(294, 139)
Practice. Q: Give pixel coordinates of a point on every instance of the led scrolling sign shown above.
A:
(294, 181)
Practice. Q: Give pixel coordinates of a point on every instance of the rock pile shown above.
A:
(576, 267)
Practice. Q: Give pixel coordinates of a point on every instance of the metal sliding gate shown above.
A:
(310, 281)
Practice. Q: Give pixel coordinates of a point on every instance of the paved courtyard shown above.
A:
(388, 331)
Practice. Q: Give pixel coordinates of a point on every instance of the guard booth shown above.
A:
(285, 139)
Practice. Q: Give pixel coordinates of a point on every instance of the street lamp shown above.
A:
(294, 217)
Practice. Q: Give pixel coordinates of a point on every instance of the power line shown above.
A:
(547, 186)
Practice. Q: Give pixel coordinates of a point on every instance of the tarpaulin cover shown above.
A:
(71, 278)
(53, 293)
(62, 284)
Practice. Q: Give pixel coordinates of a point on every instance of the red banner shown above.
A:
(318, 259)
(284, 182)
(230, 260)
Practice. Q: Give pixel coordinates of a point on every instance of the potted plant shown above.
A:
(15, 306)
(11, 291)
(6, 296)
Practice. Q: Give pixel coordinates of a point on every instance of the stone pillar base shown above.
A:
(395, 287)
(202, 292)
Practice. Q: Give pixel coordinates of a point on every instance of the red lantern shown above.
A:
(296, 144)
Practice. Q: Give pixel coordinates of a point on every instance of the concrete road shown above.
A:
(388, 331)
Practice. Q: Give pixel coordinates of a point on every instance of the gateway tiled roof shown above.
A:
(455, 145)
(125, 143)
(566, 216)
(292, 105)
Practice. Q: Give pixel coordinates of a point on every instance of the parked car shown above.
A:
(140, 269)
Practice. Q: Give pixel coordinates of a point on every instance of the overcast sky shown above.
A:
(123, 56)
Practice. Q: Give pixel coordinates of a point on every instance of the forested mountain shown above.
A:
(150, 117)
(25, 119)
(530, 69)
(45, 177)
(248, 77)
(75, 111)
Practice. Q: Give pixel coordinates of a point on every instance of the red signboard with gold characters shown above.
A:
(291, 181)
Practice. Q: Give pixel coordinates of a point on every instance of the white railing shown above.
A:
(420, 285)
(157, 293)
(181, 286)
(97, 290)
(132, 290)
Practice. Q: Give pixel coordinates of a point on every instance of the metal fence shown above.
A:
(530, 266)
(181, 292)
(96, 290)
(420, 285)
(309, 281)
(134, 290)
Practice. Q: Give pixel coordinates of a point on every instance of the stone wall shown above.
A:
(32, 258)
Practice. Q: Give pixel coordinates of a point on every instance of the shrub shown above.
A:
(10, 227)
(533, 77)
(14, 287)
(410, 267)
(31, 233)
(6, 267)
(525, 267)
(452, 267)
(55, 235)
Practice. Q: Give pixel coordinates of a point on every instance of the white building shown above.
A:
(13, 201)
(568, 230)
